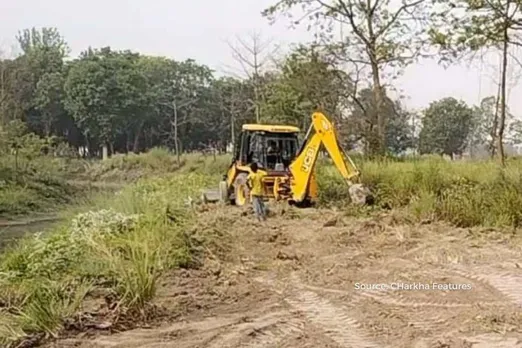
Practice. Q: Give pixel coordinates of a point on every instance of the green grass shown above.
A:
(463, 193)
(35, 188)
(120, 243)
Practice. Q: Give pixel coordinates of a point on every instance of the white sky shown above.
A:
(199, 29)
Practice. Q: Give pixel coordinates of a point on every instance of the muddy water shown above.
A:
(12, 230)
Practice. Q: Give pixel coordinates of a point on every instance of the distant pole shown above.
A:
(176, 131)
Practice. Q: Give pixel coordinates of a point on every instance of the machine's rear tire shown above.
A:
(223, 192)
(241, 191)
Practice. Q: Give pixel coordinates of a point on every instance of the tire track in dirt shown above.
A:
(335, 323)
(403, 301)
(344, 330)
(207, 330)
(266, 331)
(429, 322)
(273, 337)
(493, 340)
(506, 283)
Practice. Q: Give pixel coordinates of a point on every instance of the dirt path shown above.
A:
(293, 284)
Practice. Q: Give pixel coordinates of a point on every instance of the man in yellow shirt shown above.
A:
(255, 184)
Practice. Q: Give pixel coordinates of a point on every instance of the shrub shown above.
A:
(463, 193)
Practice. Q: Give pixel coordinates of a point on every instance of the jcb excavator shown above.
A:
(289, 168)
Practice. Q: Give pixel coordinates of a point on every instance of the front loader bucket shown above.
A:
(216, 195)
(210, 196)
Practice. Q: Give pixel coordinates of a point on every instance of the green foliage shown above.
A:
(399, 132)
(471, 25)
(29, 180)
(445, 127)
(308, 81)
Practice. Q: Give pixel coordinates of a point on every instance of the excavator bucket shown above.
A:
(360, 194)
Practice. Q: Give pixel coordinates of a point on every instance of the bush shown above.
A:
(463, 193)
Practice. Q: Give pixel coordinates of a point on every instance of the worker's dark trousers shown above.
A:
(259, 207)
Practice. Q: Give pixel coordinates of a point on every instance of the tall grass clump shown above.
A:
(122, 246)
(463, 193)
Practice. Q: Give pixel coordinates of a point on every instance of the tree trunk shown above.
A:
(500, 139)
(492, 145)
(232, 130)
(176, 134)
(105, 151)
(47, 126)
(127, 142)
(136, 145)
(379, 116)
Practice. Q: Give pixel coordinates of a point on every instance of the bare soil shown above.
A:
(291, 283)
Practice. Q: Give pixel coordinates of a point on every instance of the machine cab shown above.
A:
(272, 147)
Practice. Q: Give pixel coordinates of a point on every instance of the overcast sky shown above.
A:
(200, 29)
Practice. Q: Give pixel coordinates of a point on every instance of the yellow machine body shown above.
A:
(292, 179)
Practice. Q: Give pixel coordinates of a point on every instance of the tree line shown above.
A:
(124, 101)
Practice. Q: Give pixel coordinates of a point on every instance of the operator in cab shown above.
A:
(272, 154)
(256, 186)
(273, 149)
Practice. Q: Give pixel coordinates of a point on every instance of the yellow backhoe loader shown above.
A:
(289, 168)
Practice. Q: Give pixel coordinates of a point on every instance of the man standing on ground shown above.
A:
(255, 184)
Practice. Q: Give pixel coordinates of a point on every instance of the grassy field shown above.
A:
(123, 244)
(463, 193)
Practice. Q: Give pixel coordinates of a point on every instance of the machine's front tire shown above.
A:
(241, 191)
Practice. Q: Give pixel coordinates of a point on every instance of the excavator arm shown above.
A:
(303, 166)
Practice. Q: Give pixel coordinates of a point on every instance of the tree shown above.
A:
(48, 100)
(190, 93)
(445, 127)
(41, 67)
(158, 75)
(377, 38)
(484, 124)
(103, 91)
(253, 56)
(231, 96)
(318, 82)
(399, 133)
(10, 108)
(515, 129)
(474, 25)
